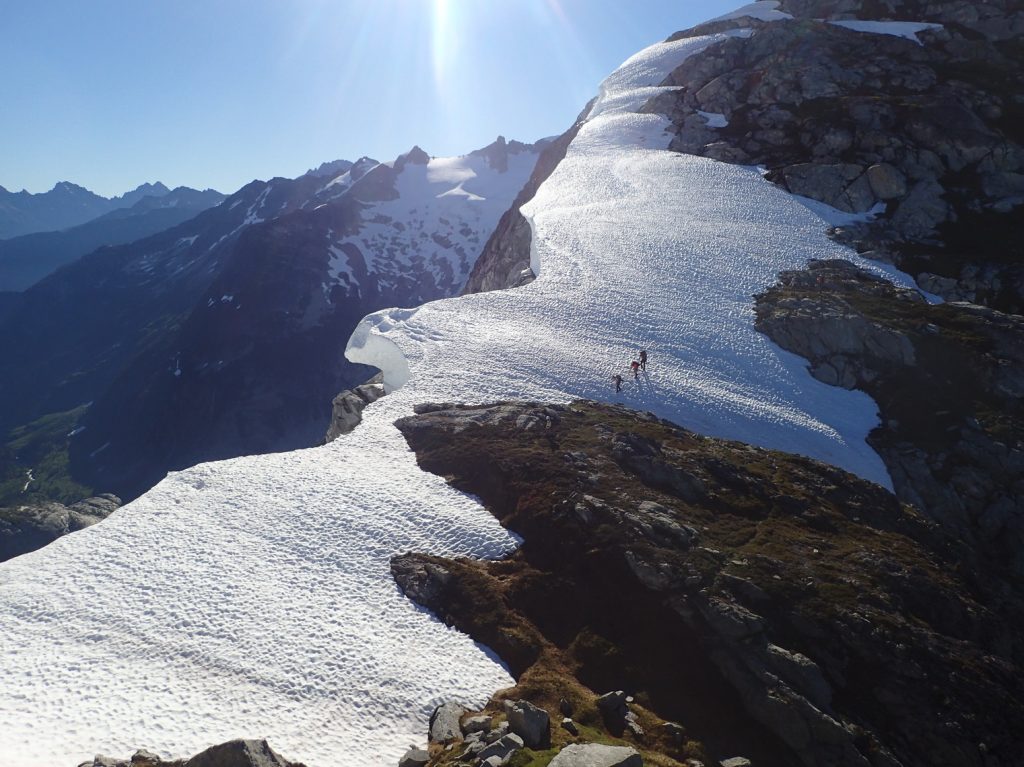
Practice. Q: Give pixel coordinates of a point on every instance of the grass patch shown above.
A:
(42, 448)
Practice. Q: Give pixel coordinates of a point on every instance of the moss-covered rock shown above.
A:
(772, 605)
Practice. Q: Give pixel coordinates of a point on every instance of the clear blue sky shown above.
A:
(215, 93)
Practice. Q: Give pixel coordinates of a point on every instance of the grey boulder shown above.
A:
(238, 753)
(597, 755)
(414, 757)
(444, 722)
(529, 722)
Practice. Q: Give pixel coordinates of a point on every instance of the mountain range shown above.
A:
(63, 206)
(26, 259)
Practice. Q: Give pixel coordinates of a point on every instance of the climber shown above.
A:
(635, 367)
(643, 359)
(618, 382)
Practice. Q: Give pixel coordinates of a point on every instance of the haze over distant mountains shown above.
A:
(26, 259)
(63, 206)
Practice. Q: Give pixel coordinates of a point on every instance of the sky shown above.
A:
(214, 93)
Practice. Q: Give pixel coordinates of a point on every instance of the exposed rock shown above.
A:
(565, 707)
(529, 722)
(736, 761)
(596, 755)
(570, 726)
(612, 706)
(422, 582)
(478, 723)
(414, 757)
(444, 722)
(347, 407)
(505, 259)
(956, 453)
(502, 748)
(28, 527)
(822, 618)
(238, 753)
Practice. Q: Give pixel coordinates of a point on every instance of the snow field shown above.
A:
(252, 597)
(440, 221)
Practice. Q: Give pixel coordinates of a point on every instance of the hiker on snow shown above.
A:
(635, 367)
(618, 382)
(643, 359)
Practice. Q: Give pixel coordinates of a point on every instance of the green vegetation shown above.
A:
(42, 448)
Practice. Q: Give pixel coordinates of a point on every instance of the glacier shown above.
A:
(252, 597)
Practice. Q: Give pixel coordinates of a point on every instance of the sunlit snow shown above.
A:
(763, 10)
(252, 598)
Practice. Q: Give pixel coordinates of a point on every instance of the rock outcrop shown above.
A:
(24, 528)
(808, 615)
(948, 379)
(505, 260)
(347, 407)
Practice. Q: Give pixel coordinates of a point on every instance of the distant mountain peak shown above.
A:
(415, 156)
(68, 187)
(332, 168)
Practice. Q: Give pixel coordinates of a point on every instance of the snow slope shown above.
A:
(252, 597)
(904, 29)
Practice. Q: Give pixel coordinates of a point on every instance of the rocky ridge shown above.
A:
(798, 606)
(948, 380)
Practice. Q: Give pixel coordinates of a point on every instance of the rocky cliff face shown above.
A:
(920, 123)
(504, 261)
(948, 379)
(770, 605)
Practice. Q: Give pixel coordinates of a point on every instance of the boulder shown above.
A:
(570, 726)
(529, 722)
(597, 755)
(502, 748)
(347, 407)
(479, 723)
(444, 722)
(238, 753)
(736, 761)
(612, 706)
(414, 757)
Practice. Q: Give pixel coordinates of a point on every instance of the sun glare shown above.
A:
(442, 41)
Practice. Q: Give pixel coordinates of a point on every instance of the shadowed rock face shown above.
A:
(505, 259)
(948, 379)
(929, 133)
(25, 528)
(772, 605)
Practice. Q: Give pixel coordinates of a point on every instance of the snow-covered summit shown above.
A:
(265, 580)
